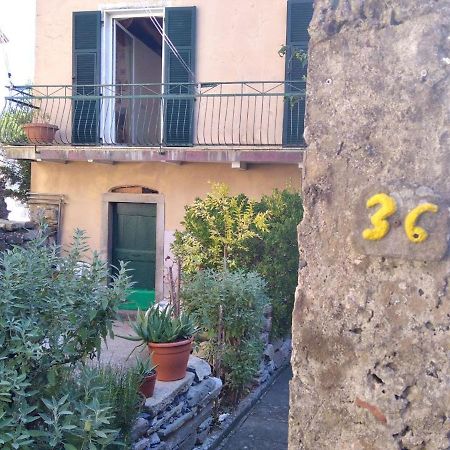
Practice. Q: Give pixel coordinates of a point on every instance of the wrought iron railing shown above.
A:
(156, 115)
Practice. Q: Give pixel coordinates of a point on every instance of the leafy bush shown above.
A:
(218, 230)
(229, 306)
(54, 313)
(275, 256)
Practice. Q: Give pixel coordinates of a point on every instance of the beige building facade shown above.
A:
(130, 87)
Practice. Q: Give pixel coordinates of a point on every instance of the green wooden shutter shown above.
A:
(180, 25)
(298, 18)
(86, 73)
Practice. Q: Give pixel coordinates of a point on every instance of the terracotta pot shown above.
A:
(40, 133)
(147, 386)
(171, 359)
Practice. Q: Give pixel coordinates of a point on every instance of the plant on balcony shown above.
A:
(40, 130)
(169, 340)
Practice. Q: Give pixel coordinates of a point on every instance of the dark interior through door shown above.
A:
(134, 242)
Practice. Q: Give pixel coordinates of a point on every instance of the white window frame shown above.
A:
(108, 50)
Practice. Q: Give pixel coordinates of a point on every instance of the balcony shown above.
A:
(157, 119)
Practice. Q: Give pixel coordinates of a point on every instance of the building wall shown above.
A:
(83, 185)
(236, 40)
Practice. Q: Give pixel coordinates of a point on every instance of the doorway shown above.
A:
(134, 243)
(133, 232)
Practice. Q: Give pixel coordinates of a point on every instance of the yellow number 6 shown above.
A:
(380, 224)
(418, 234)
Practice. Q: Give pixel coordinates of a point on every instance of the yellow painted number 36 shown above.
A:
(388, 208)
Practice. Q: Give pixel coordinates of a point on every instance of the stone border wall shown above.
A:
(179, 415)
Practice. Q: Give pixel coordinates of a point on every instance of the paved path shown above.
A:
(266, 427)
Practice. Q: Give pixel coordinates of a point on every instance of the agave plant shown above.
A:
(160, 326)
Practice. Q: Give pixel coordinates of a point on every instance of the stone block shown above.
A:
(199, 367)
(165, 393)
(206, 424)
(142, 444)
(269, 352)
(166, 416)
(140, 427)
(169, 428)
(201, 436)
(188, 443)
(154, 440)
(188, 428)
(279, 359)
(207, 389)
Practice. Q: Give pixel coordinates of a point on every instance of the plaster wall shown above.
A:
(83, 185)
(236, 40)
(371, 323)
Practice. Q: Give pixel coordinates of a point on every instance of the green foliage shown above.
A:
(218, 229)
(16, 174)
(54, 312)
(161, 326)
(118, 387)
(229, 306)
(275, 256)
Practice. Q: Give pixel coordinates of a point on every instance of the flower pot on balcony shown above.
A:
(40, 133)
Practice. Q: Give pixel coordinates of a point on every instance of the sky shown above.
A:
(17, 21)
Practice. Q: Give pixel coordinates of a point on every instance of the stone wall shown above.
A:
(372, 317)
(179, 414)
(15, 233)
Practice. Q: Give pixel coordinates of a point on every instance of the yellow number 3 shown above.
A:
(418, 234)
(380, 224)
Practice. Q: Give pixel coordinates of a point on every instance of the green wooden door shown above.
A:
(134, 242)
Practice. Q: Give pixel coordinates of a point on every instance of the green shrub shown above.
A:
(54, 313)
(217, 231)
(275, 256)
(229, 306)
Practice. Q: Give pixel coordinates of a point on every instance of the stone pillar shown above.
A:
(371, 339)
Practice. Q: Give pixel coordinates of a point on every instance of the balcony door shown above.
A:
(137, 81)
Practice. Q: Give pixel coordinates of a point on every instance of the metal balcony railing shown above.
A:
(257, 114)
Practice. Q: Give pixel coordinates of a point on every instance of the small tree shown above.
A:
(218, 229)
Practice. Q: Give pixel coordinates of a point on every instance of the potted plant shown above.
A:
(169, 340)
(40, 130)
(147, 371)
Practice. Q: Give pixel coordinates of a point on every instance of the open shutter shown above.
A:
(180, 25)
(86, 73)
(298, 18)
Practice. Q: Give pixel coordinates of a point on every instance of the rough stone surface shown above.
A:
(371, 333)
(179, 414)
(15, 233)
(199, 367)
(165, 393)
(140, 427)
